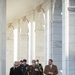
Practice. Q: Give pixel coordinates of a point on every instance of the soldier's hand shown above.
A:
(36, 70)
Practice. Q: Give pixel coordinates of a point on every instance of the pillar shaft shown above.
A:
(31, 42)
(65, 37)
(48, 31)
(2, 37)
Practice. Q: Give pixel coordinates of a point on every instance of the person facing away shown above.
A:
(40, 67)
(15, 70)
(24, 67)
(34, 69)
(51, 69)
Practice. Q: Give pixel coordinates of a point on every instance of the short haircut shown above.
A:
(21, 60)
(37, 60)
(51, 60)
(24, 60)
(33, 60)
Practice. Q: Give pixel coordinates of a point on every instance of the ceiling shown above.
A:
(18, 8)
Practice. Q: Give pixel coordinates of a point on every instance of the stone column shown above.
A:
(31, 41)
(57, 34)
(16, 40)
(65, 37)
(2, 37)
(68, 37)
(71, 37)
(48, 31)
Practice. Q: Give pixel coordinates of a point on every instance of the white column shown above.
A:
(47, 38)
(65, 37)
(2, 37)
(71, 37)
(15, 44)
(29, 44)
(16, 32)
(48, 32)
(31, 41)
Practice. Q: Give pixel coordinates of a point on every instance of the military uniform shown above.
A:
(24, 69)
(40, 68)
(33, 70)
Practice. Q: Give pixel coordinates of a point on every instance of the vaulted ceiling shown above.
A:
(18, 8)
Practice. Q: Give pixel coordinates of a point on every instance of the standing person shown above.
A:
(40, 67)
(51, 69)
(25, 67)
(21, 66)
(16, 69)
(12, 70)
(34, 69)
(21, 62)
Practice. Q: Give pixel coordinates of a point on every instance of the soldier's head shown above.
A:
(50, 61)
(37, 61)
(21, 62)
(24, 61)
(33, 62)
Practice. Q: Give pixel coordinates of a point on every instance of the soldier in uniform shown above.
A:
(40, 67)
(24, 67)
(34, 69)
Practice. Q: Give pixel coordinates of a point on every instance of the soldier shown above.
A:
(34, 69)
(24, 67)
(40, 67)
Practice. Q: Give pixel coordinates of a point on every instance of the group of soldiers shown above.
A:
(22, 68)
